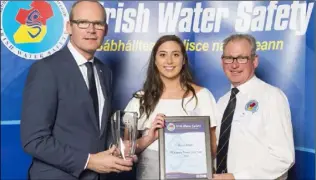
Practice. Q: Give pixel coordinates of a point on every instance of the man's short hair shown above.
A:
(71, 15)
(247, 37)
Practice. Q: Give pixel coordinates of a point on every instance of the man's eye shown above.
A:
(83, 22)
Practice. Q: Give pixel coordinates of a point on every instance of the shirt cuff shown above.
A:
(85, 167)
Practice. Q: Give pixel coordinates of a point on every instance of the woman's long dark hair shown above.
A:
(153, 86)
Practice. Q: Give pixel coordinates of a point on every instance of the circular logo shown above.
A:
(171, 127)
(33, 29)
(252, 106)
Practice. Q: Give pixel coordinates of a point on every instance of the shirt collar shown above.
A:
(247, 86)
(80, 59)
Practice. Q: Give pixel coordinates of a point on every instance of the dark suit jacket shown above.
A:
(58, 126)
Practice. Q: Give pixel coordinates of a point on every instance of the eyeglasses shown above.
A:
(239, 59)
(84, 24)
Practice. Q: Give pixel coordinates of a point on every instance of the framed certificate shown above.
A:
(185, 148)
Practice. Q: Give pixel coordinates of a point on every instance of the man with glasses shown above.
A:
(66, 105)
(255, 138)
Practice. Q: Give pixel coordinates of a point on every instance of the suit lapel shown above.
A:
(83, 92)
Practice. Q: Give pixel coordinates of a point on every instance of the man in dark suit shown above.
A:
(66, 105)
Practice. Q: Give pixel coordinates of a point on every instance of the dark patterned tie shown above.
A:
(93, 88)
(222, 149)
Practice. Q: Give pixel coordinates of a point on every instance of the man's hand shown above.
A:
(134, 158)
(127, 151)
(223, 176)
(105, 162)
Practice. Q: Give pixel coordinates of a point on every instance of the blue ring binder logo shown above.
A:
(171, 127)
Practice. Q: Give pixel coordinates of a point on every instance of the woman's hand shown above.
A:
(153, 132)
(159, 122)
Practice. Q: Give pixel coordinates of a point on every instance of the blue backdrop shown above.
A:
(284, 31)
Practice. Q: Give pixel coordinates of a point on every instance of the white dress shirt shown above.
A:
(261, 139)
(83, 68)
(80, 60)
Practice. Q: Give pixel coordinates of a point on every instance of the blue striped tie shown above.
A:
(222, 149)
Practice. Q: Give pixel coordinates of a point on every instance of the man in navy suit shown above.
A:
(66, 105)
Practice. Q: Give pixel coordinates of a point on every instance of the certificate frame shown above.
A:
(178, 120)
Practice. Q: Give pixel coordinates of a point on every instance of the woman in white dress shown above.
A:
(169, 90)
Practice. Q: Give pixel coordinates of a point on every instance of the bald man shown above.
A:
(66, 105)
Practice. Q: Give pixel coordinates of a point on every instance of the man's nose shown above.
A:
(235, 64)
(91, 28)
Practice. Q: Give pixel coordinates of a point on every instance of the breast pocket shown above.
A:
(250, 121)
(239, 117)
(246, 117)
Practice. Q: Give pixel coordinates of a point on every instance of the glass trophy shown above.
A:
(124, 132)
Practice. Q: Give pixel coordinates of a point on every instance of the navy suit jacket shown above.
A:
(59, 127)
